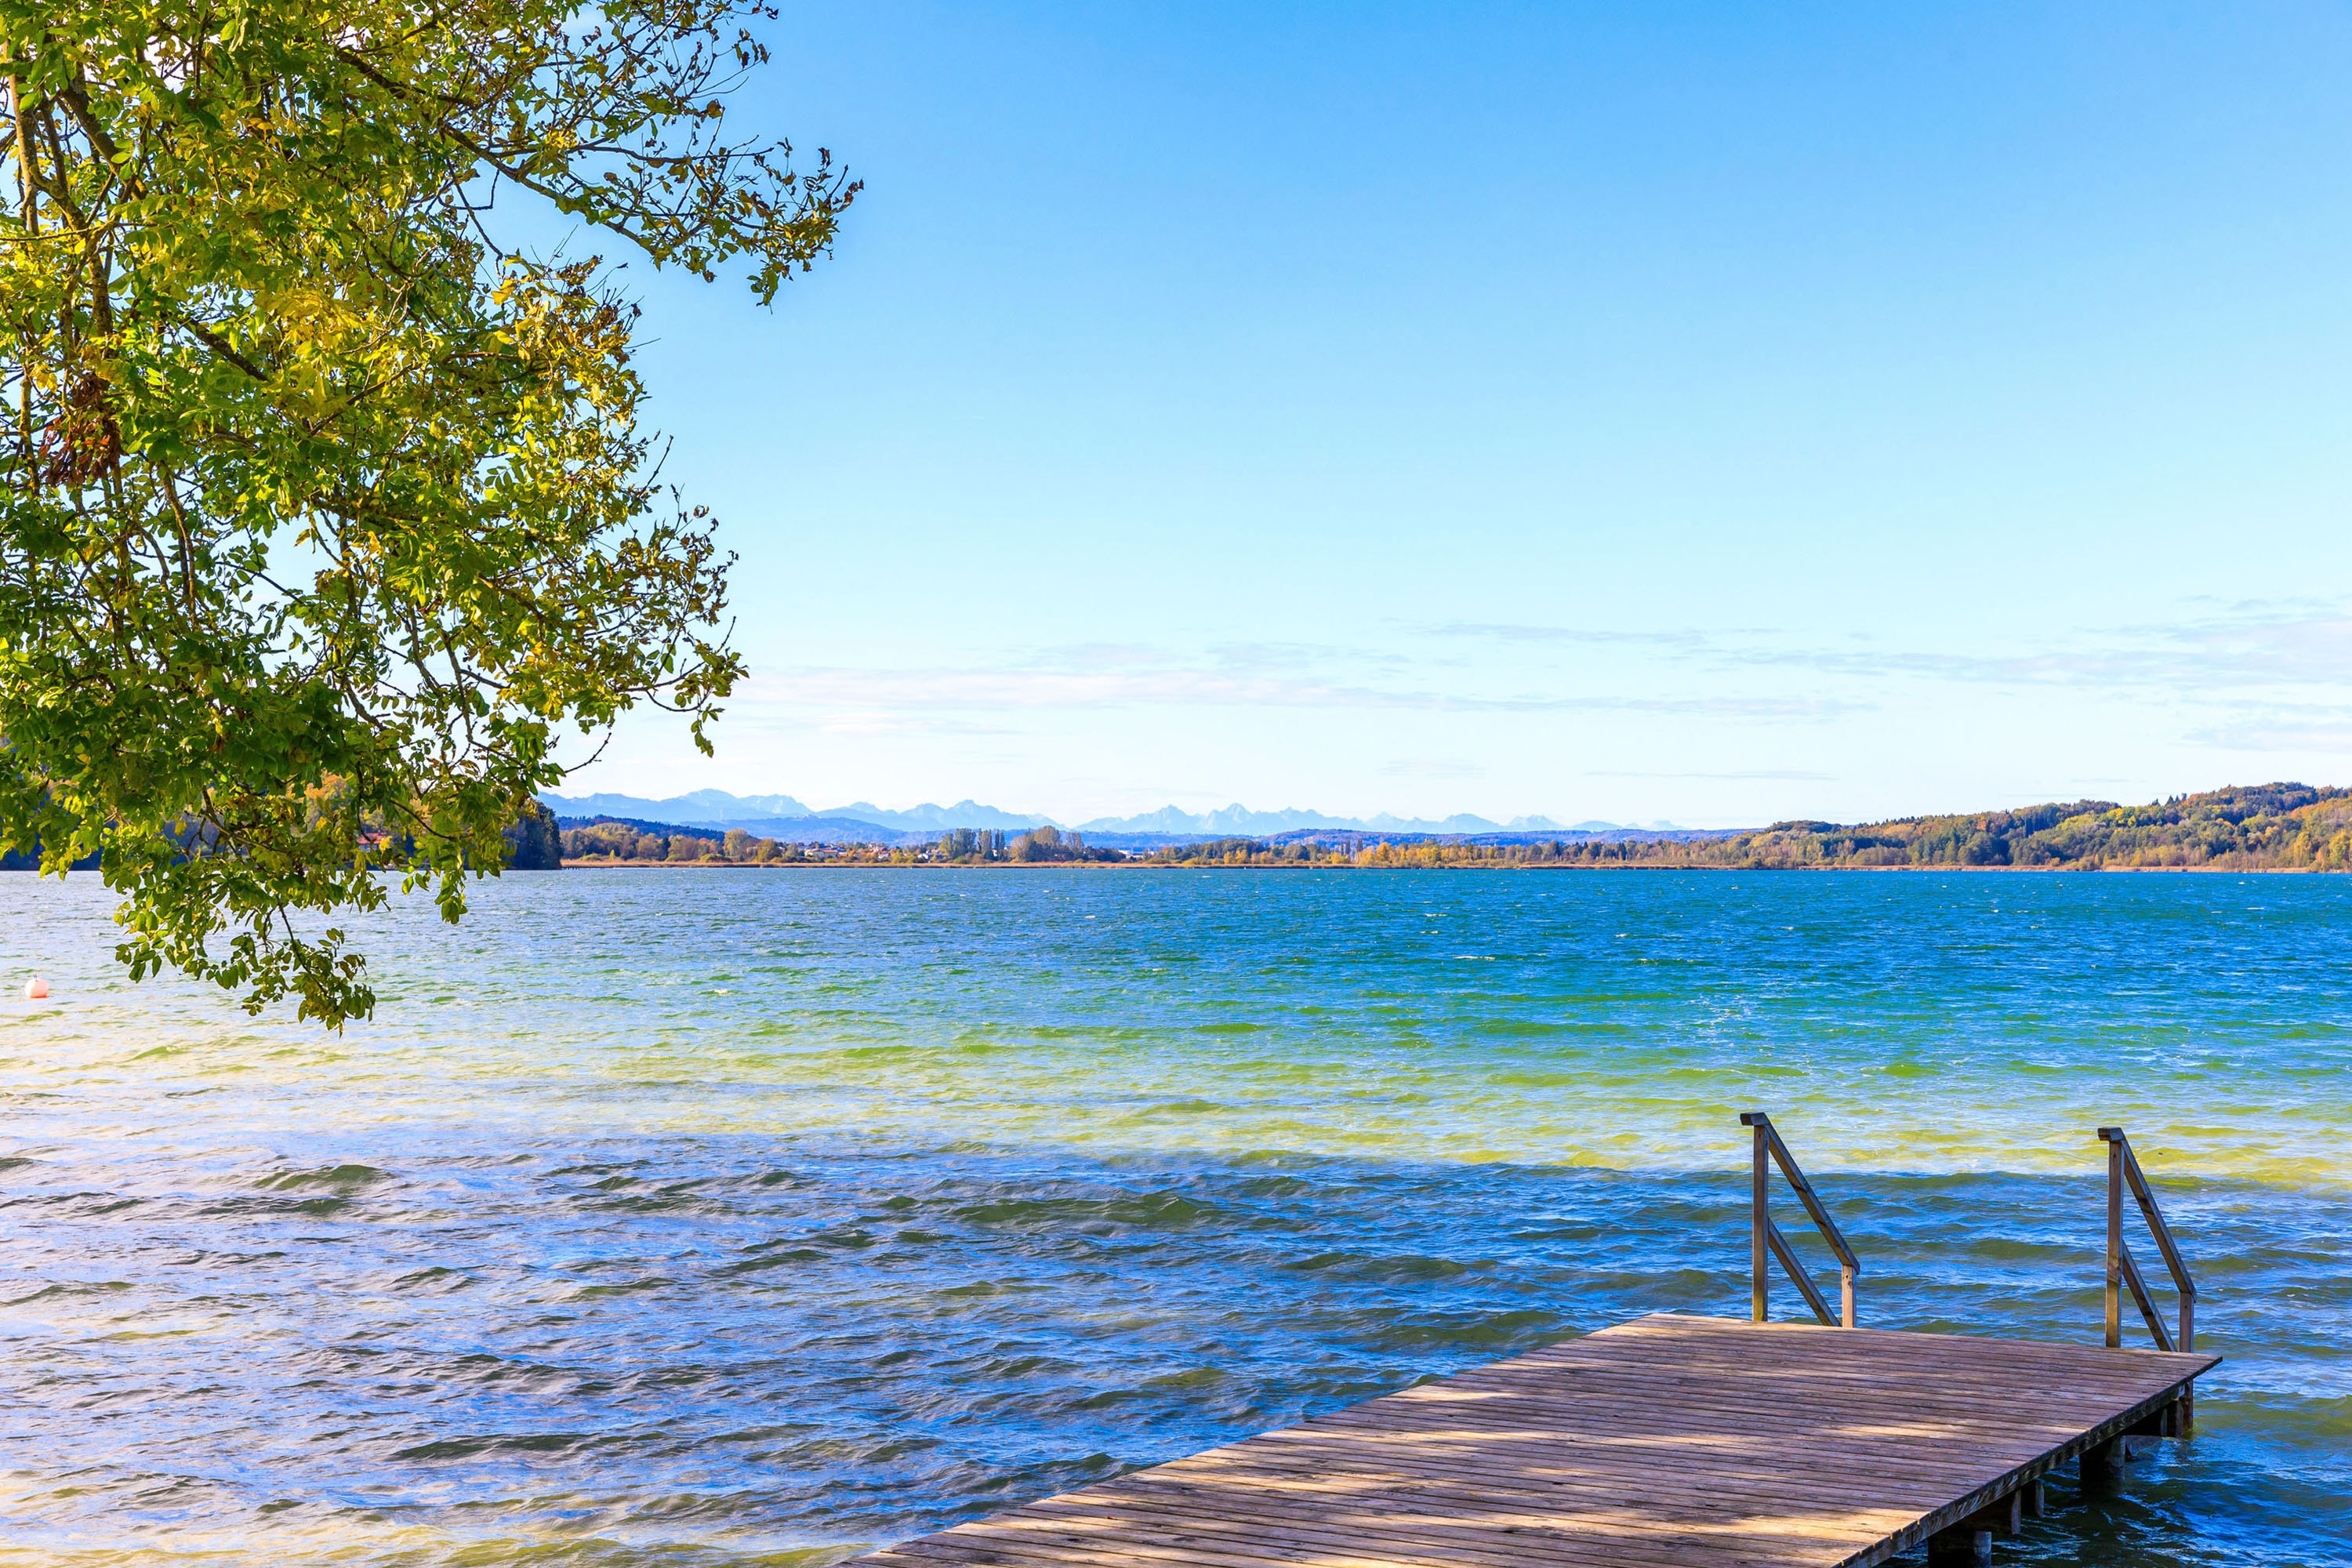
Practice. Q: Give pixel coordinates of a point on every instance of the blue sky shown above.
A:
(1709, 412)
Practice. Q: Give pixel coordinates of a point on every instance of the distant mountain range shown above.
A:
(717, 808)
(775, 815)
(1239, 821)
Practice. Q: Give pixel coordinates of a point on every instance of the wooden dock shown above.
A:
(1668, 1442)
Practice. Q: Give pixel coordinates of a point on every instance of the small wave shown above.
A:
(627, 1287)
(435, 1281)
(333, 1178)
(1142, 1211)
(1395, 1268)
(501, 1443)
(68, 1290)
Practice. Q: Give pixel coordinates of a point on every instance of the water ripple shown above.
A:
(700, 1220)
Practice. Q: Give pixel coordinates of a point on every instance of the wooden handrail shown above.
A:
(2123, 1170)
(1766, 1240)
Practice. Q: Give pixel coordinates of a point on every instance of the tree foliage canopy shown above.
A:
(327, 506)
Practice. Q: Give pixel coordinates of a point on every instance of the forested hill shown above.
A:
(2266, 826)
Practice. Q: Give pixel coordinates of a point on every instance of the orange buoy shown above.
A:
(36, 989)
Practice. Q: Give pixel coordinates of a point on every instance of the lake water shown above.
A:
(672, 1218)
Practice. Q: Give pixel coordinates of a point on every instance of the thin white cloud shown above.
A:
(1797, 776)
(2239, 647)
(2281, 730)
(1520, 632)
(927, 726)
(1015, 688)
(1433, 768)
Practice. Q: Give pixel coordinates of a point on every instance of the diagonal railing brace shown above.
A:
(1766, 1240)
(2123, 1269)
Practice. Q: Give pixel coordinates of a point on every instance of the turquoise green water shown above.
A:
(724, 1218)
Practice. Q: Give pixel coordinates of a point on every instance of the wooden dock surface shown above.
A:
(1668, 1442)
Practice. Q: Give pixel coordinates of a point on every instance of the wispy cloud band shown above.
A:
(1013, 688)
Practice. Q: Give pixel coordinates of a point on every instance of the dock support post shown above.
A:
(1760, 1225)
(2103, 1466)
(2003, 1516)
(1960, 1547)
(2184, 1414)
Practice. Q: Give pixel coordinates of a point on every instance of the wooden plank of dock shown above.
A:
(1669, 1442)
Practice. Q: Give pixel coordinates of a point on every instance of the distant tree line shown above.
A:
(640, 843)
(1039, 846)
(1376, 855)
(1249, 852)
(967, 844)
(2278, 827)
(623, 841)
(2274, 826)
(533, 842)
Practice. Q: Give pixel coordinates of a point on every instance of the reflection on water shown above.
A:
(719, 1218)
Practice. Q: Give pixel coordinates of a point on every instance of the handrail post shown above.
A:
(2122, 1167)
(1765, 1241)
(1760, 1223)
(2114, 1241)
